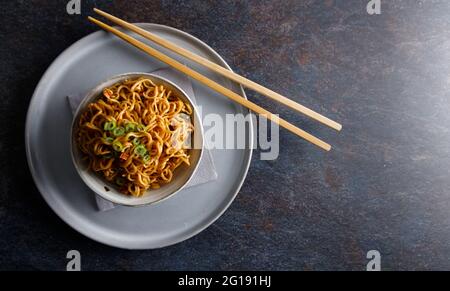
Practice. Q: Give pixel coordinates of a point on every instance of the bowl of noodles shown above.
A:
(137, 139)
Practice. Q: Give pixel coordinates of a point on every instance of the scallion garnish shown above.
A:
(118, 131)
(108, 140)
(108, 156)
(140, 127)
(129, 127)
(109, 125)
(120, 181)
(140, 150)
(117, 146)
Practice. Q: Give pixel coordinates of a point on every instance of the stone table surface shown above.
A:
(385, 185)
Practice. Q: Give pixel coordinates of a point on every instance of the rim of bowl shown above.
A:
(93, 96)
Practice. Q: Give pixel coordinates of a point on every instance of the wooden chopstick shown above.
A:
(213, 85)
(221, 70)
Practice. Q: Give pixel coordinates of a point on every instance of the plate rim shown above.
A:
(53, 204)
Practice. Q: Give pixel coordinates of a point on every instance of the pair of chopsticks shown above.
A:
(220, 70)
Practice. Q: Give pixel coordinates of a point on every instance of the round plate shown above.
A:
(47, 136)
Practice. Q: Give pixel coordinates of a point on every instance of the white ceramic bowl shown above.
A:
(182, 174)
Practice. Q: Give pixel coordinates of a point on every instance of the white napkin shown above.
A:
(206, 171)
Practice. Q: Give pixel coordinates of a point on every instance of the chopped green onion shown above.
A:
(109, 125)
(119, 131)
(120, 181)
(146, 158)
(129, 127)
(108, 140)
(136, 141)
(108, 156)
(117, 146)
(140, 127)
(140, 150)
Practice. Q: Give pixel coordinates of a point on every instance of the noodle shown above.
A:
(135, 135)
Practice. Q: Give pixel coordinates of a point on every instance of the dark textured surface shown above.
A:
(385, 186)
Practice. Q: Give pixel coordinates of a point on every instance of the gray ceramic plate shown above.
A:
(47, 136)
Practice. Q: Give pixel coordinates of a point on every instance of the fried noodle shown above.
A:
(135, 135)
